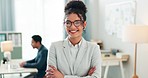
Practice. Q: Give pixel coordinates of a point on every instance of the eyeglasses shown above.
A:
(76, 23)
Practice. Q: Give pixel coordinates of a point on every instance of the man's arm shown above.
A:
(24, 62)
(40, 62)
(31, 61)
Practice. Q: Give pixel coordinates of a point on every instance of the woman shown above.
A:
(74, 57)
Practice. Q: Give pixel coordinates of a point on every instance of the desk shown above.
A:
(112, 61)
(14, 68)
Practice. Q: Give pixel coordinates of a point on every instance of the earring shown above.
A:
(84, 28)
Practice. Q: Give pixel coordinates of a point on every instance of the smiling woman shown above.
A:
(74, 57)
(41, 17)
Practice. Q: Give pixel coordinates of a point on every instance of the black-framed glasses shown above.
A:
(76, 23)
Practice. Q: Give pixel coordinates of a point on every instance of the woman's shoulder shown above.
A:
(57, 42)
(92, 44)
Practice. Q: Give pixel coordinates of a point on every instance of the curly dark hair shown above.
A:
(76, 7)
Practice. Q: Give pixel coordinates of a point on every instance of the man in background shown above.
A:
(40, 61)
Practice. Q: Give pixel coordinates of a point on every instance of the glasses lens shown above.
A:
(68, 23)
(77, 23)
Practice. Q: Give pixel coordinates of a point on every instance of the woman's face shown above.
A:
(74, 26)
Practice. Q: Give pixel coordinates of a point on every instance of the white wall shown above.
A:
(111, 41)
(39, 17)
(93, 17)
(142, 18)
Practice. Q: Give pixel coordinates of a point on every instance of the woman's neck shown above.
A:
(75, 41)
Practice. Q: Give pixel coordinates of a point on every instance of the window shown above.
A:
(43, 17)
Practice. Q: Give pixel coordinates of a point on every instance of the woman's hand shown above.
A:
(91, 71)
(53, 73)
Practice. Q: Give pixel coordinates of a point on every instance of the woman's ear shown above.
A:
(84, 27)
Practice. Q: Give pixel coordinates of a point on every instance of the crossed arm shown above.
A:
(54, 73)
(94, 71)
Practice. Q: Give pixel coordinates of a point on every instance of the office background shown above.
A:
(43, 17)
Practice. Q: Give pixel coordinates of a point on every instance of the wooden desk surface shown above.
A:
(112, 57)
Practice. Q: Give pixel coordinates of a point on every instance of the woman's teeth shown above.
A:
(74, 31)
